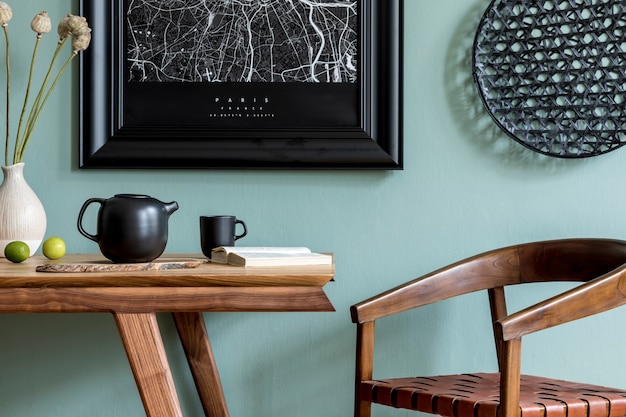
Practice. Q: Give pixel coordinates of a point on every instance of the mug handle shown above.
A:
(80, 218)
(245, 231)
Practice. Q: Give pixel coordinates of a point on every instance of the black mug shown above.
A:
(216, 231)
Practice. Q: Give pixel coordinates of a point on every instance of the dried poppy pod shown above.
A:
(82, 41)
(62, 29)
(5, 13)
(77, 25)
(41, 23)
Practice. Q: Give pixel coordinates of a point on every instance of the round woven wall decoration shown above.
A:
(552, 73)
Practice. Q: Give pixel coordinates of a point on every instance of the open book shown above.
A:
(268, 256)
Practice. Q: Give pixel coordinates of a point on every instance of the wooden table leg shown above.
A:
(195, 340)
(144, 347)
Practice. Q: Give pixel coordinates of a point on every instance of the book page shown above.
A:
(273, 255)
(262, 249)
(278, 258)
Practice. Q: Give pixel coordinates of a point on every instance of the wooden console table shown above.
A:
(134, 298)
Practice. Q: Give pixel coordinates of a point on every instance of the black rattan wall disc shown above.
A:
(552, 73)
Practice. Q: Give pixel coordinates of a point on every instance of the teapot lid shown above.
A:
(132, 196)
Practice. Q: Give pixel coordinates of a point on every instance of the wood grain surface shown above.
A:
(25, 275)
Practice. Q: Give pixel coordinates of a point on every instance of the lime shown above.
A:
(17, 251)
(53, 248)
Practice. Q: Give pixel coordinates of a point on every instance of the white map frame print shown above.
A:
(255, 84)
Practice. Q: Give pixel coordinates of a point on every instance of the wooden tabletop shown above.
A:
(207, 287)
(24, 275)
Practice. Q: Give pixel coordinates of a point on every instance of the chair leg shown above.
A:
(364, 366)
(363, 409)
(510, 378)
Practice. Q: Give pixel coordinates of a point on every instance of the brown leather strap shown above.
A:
(476, 395)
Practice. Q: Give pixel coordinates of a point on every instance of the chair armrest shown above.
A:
(596, 296)
(489, 270)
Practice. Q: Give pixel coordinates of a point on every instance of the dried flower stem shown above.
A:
(37, 106)
(80, 32)
(26, 96)
(8, 100)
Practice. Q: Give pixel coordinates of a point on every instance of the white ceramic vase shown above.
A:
(22, 216)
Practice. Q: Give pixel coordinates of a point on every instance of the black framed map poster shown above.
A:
(298, 84)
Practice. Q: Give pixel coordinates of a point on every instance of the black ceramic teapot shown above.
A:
(131, 227)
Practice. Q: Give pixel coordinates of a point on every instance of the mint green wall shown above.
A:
(465, 188)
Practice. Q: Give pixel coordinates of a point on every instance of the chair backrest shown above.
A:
(576, 260)
(569, 259)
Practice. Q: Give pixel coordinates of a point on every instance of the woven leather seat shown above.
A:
(600, 266)
(476, 395)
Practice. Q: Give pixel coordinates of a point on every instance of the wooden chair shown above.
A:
(600, 264)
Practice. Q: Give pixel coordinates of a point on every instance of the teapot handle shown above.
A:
(80, 218)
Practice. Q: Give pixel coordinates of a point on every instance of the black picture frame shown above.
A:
(110, 138)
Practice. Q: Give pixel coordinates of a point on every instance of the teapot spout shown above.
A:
(171, 207)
